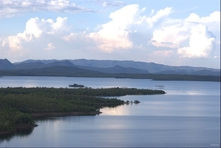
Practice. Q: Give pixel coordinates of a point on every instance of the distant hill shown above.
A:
(51, 71)
(152, 68)
(117, 70)
(5, 64)
(107, 68)
(32, 64)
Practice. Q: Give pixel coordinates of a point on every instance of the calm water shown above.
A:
(187, 116)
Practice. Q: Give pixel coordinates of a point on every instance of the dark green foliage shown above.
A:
(16, 104)
(10, 117)
(136, 101)
(40, 100)
(76, 72)
(76, 85)
(170, 77)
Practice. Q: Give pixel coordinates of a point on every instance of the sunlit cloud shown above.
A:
(114, 35)
(133, 29)
(200, 43)
(191, 36)
(50, 46)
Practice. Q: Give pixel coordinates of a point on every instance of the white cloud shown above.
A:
(212, 22)
(131, 29)
(200, 43)
(71, 36)
(193, 37)
(114, 34)
(159, 15)
(118, 33)
(50, 46)
(10, 8)
(14, 42)
(170, 36)
(35, 28)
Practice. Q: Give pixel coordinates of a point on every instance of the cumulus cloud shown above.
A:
(10, 8)
(170, 35)
(114, 34)
(130, 28)
(117, 33)
(212, 22)
(159, 15)
(35, 28)
(201, 43)
(50, 46)
(193, 37)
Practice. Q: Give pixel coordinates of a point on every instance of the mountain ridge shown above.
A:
(111, 66)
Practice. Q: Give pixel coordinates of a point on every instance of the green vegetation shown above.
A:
(72, 72)
(170, 77)
(136, 102)
(76, 85)
(18, 104)
(11, 118)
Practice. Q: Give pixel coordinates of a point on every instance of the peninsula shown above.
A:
(18, 106)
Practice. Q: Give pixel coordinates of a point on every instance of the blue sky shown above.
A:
(170, 32)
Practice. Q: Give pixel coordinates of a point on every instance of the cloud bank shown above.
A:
(130, 28)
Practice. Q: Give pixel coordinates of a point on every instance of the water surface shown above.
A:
(188, 115)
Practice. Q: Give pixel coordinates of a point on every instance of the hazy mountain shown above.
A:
(117, 70)
(51, 71)
(33, 61)
(110, 67)
(66, 63)
(5, 64)
(30, 65)
(150, 67)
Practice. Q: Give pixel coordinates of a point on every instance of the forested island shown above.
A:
(18, 106)
(76, 85)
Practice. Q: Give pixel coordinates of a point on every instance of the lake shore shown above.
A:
(56, 114)
(21, 105)
(42, 115)
(17, 127)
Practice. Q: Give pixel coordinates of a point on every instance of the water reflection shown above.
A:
(187, 116)
(167, 105)
(17, 133)
(115, 111)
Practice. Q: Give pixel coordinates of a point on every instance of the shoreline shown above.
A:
(58, 114)
(55, 114)
(17, 127)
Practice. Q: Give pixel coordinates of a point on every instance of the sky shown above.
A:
(170, 32)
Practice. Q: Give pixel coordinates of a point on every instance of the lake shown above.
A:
(188, 115)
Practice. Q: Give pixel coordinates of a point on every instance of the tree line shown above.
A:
(17, 104)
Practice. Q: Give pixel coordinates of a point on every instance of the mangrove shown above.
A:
(19, 105)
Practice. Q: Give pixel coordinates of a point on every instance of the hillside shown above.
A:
(5, 64)
(113, 66)
(107, 68)
(152, 68)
